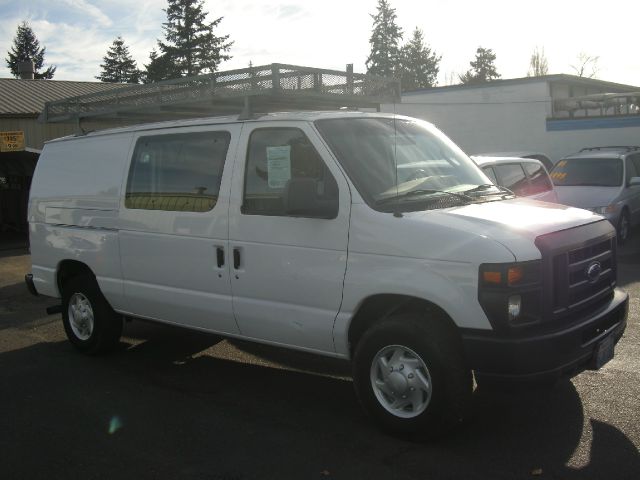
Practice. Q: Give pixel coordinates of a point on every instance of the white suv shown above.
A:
(367, 237)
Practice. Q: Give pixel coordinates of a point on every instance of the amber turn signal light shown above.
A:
(514, 275)
(492, 277)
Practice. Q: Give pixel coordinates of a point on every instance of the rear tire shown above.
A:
(90, 323)
(410, 376)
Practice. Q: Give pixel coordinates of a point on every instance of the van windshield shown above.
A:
(404, 159)
(594, 172)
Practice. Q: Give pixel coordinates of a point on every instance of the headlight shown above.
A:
(511, 293)
(513, 307)
(603, 210)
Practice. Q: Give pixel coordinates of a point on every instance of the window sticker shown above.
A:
(278, 166)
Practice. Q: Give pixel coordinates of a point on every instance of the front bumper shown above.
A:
(565, 351)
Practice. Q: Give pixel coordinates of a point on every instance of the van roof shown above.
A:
(307, 116)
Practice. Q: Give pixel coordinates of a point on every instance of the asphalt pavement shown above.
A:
(171, 403)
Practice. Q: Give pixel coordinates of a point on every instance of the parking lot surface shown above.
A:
(177, 404)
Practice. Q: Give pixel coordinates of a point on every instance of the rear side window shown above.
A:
(538, 178)
(513, 177)
(631, 168)
(636, 162)
(177, 172)
(275, 156)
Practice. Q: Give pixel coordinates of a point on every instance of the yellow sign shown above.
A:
(11, 141)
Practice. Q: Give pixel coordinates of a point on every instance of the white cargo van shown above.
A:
(367, 237)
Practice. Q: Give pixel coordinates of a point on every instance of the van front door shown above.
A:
(289, 259)
(174, 227)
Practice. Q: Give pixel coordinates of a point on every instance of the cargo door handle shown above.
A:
(236, 258)
(220, 256)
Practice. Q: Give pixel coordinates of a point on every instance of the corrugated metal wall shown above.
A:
(35, 134)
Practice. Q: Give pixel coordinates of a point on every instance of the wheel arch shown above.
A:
(376, 308)
(68, 269)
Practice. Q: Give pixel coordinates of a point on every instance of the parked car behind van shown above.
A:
(605, 180)
(366, 237)
(523, 176)
(546, 161)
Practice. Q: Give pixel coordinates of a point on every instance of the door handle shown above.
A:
(236, 258)
(220, 256)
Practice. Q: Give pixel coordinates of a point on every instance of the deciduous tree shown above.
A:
(586, 65)
(538, 65)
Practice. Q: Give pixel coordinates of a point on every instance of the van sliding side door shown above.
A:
(174, 226)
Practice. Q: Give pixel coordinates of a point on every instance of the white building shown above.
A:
(553, 114)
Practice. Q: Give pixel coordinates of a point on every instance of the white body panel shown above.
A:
(300, 280)
(78, 185)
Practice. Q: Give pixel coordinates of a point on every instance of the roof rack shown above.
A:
(627, 148)
(262, 89)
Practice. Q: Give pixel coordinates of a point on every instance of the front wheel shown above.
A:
(410, 377)
(90, 323)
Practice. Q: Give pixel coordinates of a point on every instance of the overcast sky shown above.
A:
(332, 33)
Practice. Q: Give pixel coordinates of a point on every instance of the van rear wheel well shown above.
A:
(68, 269)
(377, 308)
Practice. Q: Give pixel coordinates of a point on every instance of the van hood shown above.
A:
(586, 197)
(525, 215)
(514, 223)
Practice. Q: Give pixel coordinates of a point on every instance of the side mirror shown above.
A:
(634, 181)
(302, 198)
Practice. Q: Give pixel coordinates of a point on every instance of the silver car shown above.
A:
(605, 180)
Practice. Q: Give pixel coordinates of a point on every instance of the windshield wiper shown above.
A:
(487, 186)
(421, 191)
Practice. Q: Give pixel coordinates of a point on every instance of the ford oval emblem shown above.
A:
(593, 271)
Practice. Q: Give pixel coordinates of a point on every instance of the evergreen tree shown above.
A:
(385, 39)
(190, 46)
(482, 68)
(159, 68)
(118, 66)
(27, 47)
(419, 65)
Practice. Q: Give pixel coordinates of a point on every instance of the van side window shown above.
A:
(538, 177)
(513, 177)
(177, 172)
(275, 156)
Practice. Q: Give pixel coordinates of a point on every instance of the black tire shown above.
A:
(451, 382)
(107, 324)
(624, 227)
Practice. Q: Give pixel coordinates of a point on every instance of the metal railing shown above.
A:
(260, 89)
